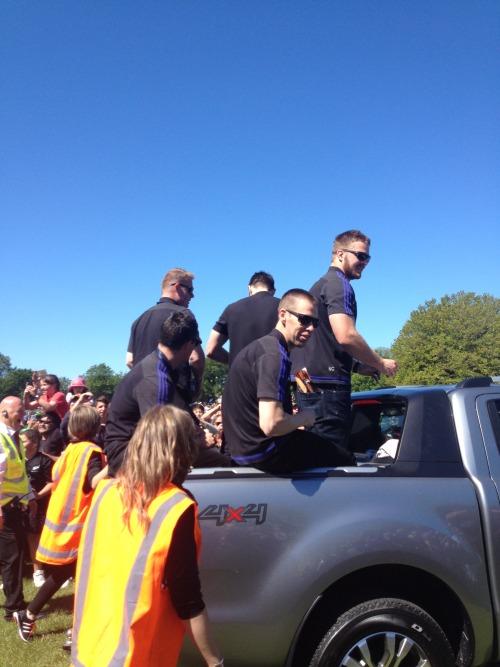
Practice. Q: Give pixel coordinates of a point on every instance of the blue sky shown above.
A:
(227, 137)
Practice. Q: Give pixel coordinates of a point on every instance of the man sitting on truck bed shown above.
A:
(259, 426)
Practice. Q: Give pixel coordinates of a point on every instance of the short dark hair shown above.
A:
(262, 278)
(346, 239)
(102, 399)
(289, 298)
(54, 418)
(177, 329)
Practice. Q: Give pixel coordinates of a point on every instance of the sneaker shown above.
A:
(39, 578)
(25, 627)
(67, 645)
(67, 582)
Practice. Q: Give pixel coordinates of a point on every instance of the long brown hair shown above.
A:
(161, 451)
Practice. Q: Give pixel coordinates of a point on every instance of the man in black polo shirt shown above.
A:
(338, 348)
(259, 426)
(154, 381)
(245, 320)
(176, 292)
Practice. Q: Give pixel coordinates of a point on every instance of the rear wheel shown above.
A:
(384, 633)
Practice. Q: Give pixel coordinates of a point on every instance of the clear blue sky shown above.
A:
(232, 136)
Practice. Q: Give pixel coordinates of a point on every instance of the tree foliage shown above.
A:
(14, 382)
(364, 383)
(447, 341)
(102, 380)
(213, 380)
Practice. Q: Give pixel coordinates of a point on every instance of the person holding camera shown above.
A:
(52, 398)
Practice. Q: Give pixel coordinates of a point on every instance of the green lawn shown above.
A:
(44, 650)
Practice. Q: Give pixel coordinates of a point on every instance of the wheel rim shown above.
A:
(386, 649)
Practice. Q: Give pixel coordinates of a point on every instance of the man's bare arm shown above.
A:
(274, 421)
(129, 360)
(215, 350)
(197, 364)
(347, 336)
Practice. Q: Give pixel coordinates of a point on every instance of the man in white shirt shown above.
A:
(15, 496)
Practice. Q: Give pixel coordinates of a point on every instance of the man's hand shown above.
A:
(307, 417)
(368, 371)
(390, 367)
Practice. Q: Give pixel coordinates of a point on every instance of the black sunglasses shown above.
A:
(189, 288)
(362, 256)
(305, 320)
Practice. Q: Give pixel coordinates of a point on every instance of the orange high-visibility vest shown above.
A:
(123, 616)
(68, 505)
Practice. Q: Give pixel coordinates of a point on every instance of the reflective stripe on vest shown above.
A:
(68, 506)
(15, 480)
(134, 581)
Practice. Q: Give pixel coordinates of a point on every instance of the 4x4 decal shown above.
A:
(223, 514)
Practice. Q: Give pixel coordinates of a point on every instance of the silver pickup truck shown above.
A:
(394, 562)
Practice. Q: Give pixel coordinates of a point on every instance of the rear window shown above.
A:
(376, 428)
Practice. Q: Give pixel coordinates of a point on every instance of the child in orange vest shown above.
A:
(75, 476)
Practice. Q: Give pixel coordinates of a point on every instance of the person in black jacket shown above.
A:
(155, 381)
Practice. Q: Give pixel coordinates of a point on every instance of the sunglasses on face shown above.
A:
(305, 320)
(189, 288)
(362, 256)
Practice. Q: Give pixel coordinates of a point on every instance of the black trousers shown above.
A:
(55, 576)
(301, 450)
(12, 544)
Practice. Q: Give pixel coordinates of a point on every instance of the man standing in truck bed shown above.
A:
(337, 349)
(245, 320)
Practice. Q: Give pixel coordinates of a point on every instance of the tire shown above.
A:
(384, 633)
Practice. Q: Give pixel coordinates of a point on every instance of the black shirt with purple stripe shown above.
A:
(325, 360)
(260, 371)
(152, 382)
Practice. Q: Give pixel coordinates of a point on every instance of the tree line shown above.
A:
(442, 342)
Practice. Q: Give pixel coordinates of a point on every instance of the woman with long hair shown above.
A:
(137, 582)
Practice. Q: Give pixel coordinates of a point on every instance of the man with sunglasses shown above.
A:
(259, 427)
(337, 348)
(176, 292)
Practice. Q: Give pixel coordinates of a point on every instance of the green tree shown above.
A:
(64, 382)
(364, 383)
(14, 382)
(213, 380)
(5, 365)
(101, 379)
(447, 341)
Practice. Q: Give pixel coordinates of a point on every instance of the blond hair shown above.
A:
(84, 422)
(160, 452)
(346, 239)
(175, 276)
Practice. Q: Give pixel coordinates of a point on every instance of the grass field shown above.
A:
(44, 650)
